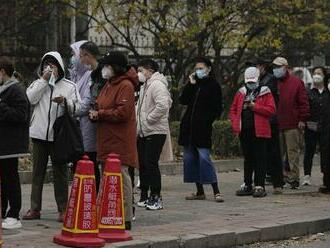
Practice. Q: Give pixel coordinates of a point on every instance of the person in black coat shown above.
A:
(317, 94)
(14, 133)
(203, 98)
(324, 133)
(274, 162)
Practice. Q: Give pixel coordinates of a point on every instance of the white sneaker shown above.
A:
(11, 223)
(307, 180)
(155, 204)
(142, 204)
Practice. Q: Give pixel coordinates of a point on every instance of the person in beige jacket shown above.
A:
(152, 124)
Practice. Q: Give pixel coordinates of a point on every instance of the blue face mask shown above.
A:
(252, 86)
(279, 72)
(201, 73)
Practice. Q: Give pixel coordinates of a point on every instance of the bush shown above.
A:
(224, 143)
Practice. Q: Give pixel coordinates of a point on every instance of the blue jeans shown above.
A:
(198, 167)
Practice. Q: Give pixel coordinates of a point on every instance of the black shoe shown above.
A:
(244, 190)
(324, 190)
(259, 192)
(128, 225)
(294, 184)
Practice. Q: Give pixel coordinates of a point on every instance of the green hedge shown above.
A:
(225, 143)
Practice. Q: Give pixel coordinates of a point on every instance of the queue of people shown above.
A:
(269, 113)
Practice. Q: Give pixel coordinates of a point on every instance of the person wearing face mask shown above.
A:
(152, 124)
(89, 54)
(249, 113)
(292, 114)
(316, 96)
(203, 98)
(47, 96)
(116, 121)
(14, 142)
(80, 74)
(274, 160)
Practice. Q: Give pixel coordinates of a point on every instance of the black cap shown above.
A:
(114, 58)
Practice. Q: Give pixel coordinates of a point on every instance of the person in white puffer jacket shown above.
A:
(47, 95)
(152, 124)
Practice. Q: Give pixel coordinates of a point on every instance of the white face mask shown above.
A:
(107, 72)
(141, 77)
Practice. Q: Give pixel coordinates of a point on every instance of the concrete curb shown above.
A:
(169, 169)
(224, 238)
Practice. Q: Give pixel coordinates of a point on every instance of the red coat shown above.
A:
(293, 105)
(264, 108)
(116, 127)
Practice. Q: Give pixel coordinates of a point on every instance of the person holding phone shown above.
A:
(47, 95)
(203, 98)
(250, 112)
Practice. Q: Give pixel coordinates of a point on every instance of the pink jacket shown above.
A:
(264, 108)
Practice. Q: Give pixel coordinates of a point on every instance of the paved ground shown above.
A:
(320, 240)
(181, 217)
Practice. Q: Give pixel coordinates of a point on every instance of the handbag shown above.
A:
(68, 142)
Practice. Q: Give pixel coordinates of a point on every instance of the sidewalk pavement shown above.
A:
(239, 220)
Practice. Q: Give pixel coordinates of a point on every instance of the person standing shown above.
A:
(203, 98)
(14, 142)
(316, 96)
(116, 120)
(292, 114)
(152, 124)
(81, 75)
(89, 54)
(274, 159)
(47, 95)
(250, 112)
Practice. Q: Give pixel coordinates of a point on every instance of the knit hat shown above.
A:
(251, 74)
(280, 61)
(114, 58)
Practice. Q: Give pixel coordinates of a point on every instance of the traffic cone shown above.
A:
(110, 202)
(80, 222)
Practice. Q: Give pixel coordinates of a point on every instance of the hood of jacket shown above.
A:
(77, 70)
(158, 77)
(7, 84)
(130, 75)
(57, 56)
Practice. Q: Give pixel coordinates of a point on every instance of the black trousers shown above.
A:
(149, 150)
(255, 157)
(274, 159)
(311, 140)
(10, 188)
(325, 157)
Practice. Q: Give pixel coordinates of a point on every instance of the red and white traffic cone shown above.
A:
(111, 214)
(80, 222)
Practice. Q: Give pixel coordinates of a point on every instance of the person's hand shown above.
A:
(55, 71)
(93, 115)
(250, 105)
(301, 125)
(46, 74)
(192, 78)
(58, 99)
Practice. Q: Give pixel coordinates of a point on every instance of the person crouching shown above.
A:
(250, 112)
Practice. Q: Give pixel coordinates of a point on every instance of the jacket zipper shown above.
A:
(50, 107)
(192, 114)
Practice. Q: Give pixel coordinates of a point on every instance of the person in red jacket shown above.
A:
(292, 114)
(250, 112)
